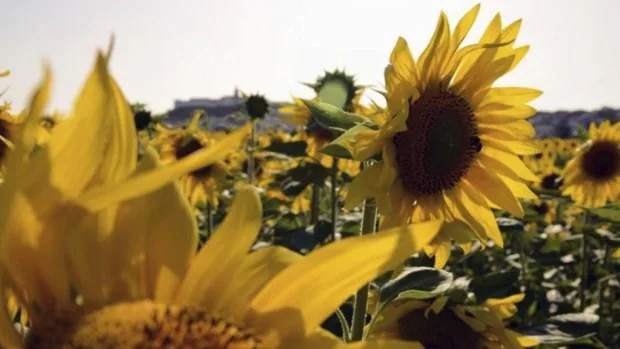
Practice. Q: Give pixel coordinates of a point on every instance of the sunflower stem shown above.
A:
(369, 218)
(334, 198)
(602, 311)
(208, 220)
(584, 262)
(523, 258)
(251, 153)
(314, 204)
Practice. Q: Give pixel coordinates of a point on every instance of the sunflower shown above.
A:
(544, 161)
(256, 106)
(451, 143)
(436, 326)
(592, 177)
(62, 203)
(204, 184)
(101, 250)
(315, 135)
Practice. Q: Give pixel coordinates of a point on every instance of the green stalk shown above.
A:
(314, 204)
(584, 262)
(334, 198)
(361, 297)
(603, 283)
(209, 220)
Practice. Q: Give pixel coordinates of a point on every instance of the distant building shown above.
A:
(222, 113)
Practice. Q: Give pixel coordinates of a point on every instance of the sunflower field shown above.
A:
(432, 218)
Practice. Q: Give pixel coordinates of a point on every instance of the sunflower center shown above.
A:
(142, 325)
(551, 181)
(185, 147)
(439, 331)
(602, 160)
(439, 145)
(542, 209)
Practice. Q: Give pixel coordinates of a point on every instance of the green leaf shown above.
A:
(609, 213)
(493, 285)
(416, 283)
(338, 147)
(336, 150)
(582, 133)
(564, 329)
(295, 149)
(329, 116)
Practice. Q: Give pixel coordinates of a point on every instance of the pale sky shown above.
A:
(169, 50)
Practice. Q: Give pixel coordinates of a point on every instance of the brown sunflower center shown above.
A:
(185, 147)
(551, 181)
(143, 325)
(542, 209)
(602, 160)
(439, 145)
(439, 331)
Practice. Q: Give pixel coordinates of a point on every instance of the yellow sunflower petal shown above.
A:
(475, 212)
(442, 254)
(523, 340)
(338, 269)
(364, 185)
(403, 62)
(76, 147)
(505, 163)
(103, 196)
(511, 95)
(494, 189)
(163, 224)
(257, 269)
(223, 253)
(462, 28)
(517, 130)
(522, 147)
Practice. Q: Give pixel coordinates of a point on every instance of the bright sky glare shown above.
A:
(204, 48)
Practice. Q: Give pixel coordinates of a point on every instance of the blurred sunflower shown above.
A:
(256, 106)
(8, 124)
(45, 198)
(437, 326)
(315, 135)
(543, 162)
(81, 215)
(592, 177)
(204, 184)
(451, 144)
(568, 146)
(546, 208)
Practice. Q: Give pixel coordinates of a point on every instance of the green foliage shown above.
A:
(416, 283)
(329, 116)
(293, 149)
